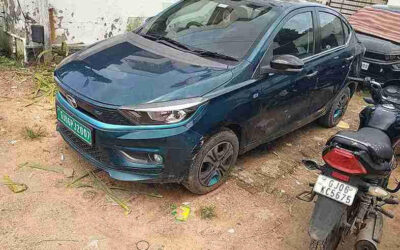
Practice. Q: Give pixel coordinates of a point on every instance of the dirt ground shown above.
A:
(255, 209)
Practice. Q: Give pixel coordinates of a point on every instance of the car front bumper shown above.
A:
(115, 147)
(381, 71)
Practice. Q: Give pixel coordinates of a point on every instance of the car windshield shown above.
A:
(229, 28)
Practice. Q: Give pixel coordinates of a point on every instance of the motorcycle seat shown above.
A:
(373, 140)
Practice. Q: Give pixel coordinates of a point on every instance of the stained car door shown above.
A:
(284, 98)
(334, 58)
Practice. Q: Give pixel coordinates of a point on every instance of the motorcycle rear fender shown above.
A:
(326, 215)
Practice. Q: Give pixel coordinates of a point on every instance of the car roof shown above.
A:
(387, 7)
(286, 3)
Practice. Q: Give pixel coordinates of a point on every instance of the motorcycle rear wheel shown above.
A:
(331, 242)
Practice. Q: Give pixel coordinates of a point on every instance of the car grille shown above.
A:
(110, 116)
(375, 56)
(82, 147)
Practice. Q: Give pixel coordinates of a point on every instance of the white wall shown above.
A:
(394, 2)
(92, 20)
(82, 21)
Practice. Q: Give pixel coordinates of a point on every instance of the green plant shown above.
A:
(6, 62)
(45, 84)
(34, 133)
(207, 212)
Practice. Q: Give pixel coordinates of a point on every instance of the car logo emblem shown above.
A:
(72, 101)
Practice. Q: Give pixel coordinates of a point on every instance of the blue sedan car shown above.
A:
(179, 99)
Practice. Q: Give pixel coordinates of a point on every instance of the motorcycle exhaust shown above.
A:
(370, 235)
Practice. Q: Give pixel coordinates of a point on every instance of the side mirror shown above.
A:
(283, 64)
(369, 100)
(311, 165)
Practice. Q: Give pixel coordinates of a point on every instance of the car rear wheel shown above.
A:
(213, 163)
(337, 110)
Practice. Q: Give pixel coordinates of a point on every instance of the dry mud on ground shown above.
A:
(255, 209)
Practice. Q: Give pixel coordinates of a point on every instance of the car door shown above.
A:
(284, 98)
(334, 58)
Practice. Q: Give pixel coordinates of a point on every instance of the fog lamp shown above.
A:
(158, 158)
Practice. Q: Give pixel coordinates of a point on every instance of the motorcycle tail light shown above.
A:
(344, 161)
(340, 176)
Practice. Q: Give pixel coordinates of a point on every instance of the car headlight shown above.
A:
(162, 112)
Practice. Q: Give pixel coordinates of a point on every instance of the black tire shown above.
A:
(331, 242)
(337, 110)
(213, 162)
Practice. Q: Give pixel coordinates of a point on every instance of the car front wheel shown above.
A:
(213, 162)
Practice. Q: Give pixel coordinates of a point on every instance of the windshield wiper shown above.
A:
(166, 39)
(199, 52)
(207, 53)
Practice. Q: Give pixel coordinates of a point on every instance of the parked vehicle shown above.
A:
(178, 99)
(353, 186)
(382, 58)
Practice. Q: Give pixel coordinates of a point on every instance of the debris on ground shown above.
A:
(101, 185)
(68, 172)
(343, 125)
(181, 213)
(142, 245)
(89, 195)
(231, 231)
(207, 212)
(13, 142)
(14, 186)
(74, 183)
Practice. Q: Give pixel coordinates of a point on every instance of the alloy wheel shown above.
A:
(216, 164)
(341, 107)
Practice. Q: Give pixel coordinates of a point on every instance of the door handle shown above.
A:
(348, 59)
(312, 74)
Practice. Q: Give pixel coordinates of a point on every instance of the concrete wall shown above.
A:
(79, 21)
(88, 21)
(394, 2)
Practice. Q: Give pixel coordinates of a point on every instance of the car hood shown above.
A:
(379, 45)
(129, 70)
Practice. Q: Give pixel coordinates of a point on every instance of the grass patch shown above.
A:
(6, 62)
(34, 133)
(207, 212)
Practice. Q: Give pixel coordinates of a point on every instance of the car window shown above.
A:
(296, 37)
(332, 34)
(346, 31)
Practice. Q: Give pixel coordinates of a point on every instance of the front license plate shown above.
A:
(335, 190)
(83, 132)
(364, 66)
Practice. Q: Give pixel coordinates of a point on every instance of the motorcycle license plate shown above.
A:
(336, 190)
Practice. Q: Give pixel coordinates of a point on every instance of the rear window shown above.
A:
(332, 34)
